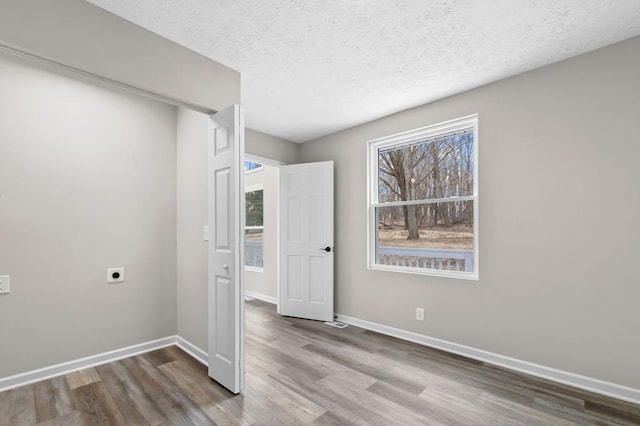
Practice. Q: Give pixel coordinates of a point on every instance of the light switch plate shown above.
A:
(206, 233)
(5, 284)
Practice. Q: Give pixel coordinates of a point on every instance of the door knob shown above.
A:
(225, 267)
(327, 249)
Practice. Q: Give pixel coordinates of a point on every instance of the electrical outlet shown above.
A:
(419, 314)
(115, 275)
(206, 233)
(5, 284)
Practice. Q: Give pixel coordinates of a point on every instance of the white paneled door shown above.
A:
(226, 246)
(306, 241)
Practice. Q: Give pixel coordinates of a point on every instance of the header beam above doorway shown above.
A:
(84, 37)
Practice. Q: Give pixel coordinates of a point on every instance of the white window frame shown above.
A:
(405, 138)
(252, 188)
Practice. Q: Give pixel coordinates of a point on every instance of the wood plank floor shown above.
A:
(304, 372)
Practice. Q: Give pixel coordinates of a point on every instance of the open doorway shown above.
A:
(288, 236)
(261, 182)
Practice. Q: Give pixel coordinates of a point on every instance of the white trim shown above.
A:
(61, 369)
(425, 271)
(427, 201)
(427, 131)
(601, 387)
(45, 373)
(263, 297)
(197, 353)
(253, 188)
(278, 212)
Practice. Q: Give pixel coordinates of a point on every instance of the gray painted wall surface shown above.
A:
(79, 34)
(87, 182)
(559, 232)
(192, 215)
(266, 282)
(271, 147)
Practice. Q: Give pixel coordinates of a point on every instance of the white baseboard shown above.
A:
(582, 382)
(40, 374)
(601, 387)
(193, 350)
(45, 373)
(260, 296)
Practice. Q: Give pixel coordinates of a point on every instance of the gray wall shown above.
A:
(87, 182)
(271, 147)
(192, 215)
(266, 282)
(559, 232)
(79, 34)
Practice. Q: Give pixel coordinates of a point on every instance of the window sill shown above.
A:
(471, 276)
(253, 269)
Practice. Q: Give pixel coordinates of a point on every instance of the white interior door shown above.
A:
(306, 241)
(226, 248)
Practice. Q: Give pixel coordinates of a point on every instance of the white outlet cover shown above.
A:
(110, 277)
(5, 284)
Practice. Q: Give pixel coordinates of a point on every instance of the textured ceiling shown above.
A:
(310, 68)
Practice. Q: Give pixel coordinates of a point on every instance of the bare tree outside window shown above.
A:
(425, 201)
(439, 168)
(254, 229)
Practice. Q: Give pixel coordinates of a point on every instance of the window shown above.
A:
(254, 228)
(250, 166)
(423, 200)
